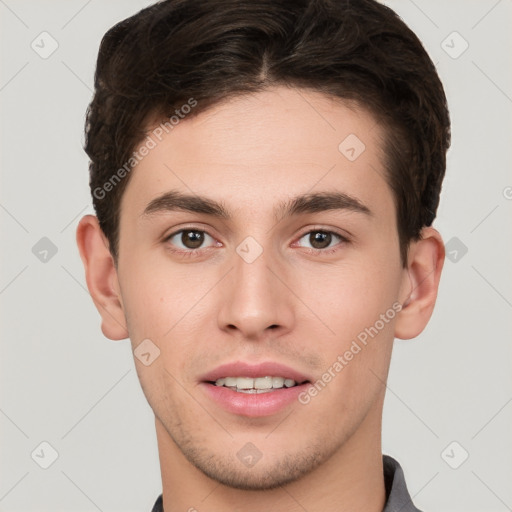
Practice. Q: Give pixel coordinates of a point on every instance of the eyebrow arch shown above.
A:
(305, 203)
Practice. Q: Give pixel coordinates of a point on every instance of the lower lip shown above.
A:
(253, 404)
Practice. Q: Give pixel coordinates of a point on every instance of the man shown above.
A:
(265, 177)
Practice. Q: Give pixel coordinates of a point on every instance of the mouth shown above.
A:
(250, 385)
(254, 390)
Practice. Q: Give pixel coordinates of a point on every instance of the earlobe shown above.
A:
(420, 284)
(101, 276)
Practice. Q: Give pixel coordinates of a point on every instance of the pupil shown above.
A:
(192, 239)
(320, 237)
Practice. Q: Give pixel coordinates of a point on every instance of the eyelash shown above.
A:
(192, 253)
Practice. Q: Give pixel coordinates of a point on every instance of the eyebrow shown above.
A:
(305, 203)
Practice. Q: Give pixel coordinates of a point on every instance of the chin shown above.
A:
(265, 475)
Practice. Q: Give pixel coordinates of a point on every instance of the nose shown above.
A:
(256, 301)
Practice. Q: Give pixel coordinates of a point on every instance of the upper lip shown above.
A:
(242, 369)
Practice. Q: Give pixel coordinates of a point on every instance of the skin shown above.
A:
(251, 153)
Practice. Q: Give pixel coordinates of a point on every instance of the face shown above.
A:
(255, 288)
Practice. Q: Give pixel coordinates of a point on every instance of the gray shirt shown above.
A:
(397, 495)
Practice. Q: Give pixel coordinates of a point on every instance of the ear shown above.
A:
(101, 277)
(420, 283)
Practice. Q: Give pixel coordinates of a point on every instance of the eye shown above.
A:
(321, 240)
(188, 239)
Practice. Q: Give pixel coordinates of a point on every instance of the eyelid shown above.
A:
(342, 234)
(188, 253)
(326, 251)
(193, 227)
(204, 230)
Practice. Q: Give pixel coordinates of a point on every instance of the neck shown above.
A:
(351, 479)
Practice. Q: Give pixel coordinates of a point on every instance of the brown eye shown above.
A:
(320, 239)
(192, 239)
(186, 240)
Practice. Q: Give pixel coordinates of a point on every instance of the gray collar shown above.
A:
(398, 498)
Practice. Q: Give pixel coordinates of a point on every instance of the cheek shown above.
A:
(350, 297)
(355, 302)
(171, 305)
(156, 294)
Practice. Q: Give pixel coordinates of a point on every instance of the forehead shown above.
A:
(258, 149)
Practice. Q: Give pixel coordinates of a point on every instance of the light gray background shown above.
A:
(64, 383)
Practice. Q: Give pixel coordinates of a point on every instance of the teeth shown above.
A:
(263, 383)
(244, 383)
(277, 382)
(257, 385)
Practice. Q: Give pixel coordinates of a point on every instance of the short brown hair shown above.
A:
(209, 50)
